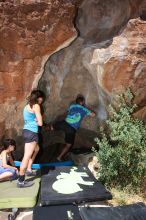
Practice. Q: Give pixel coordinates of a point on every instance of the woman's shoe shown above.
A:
(58, 160)
(24, 184)
(30, 173)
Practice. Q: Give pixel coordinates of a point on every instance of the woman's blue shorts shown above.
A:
(13, 171)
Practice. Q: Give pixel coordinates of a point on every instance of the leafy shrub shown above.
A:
(122, 152)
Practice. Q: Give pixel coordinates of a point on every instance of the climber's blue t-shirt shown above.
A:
(75, 115)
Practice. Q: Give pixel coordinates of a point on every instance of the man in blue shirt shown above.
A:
(71, 124)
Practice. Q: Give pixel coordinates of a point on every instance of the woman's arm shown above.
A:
(92, 114)
(4, 161)
(37, 111)
(11, 160)
(12, 163)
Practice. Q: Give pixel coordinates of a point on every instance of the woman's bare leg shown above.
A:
(64, 151)
(5, 176)
(31, 160)
(28, 152)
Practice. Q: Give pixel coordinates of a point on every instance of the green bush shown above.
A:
(122, 151)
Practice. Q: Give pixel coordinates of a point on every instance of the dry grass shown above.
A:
(124, 197)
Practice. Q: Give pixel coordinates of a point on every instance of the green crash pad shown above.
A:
(13, 197)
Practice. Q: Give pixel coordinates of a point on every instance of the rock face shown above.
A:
(123, 63)
(119, 62)
(98, 74)
(63, 79)
(30, 31)
(106, 18)
(108, 56)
